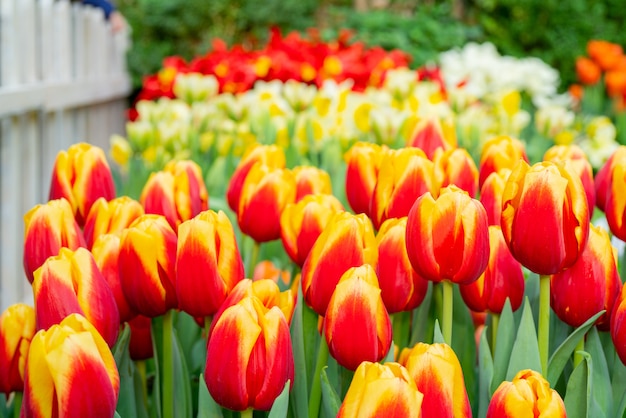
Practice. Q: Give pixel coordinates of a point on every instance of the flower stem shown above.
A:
(316, 389)
(254, 257)
(579, 347)
(168, 366)
(495, 321)
(17, 404)
(247, 413)
(141, 369)
(446, 317)
(544, 322)
(207, 326)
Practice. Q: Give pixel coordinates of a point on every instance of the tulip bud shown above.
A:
(404, 175)
(348, 241)
(311, 180)
(264, 195)
(402, 289)
(491, 195)
(147, 265)
(81, 175)
(301, 223)
(545, 218)
(363, 162)
(208, 263)
(455, 166)
(249, 356)
(357, 327)
(437, 373)
(140, 345)
(72, 283)
(432, 134)
(578, 163)
(618, 325)
(528, 391)
(379, 390)
(500, 152)
(270, 155)
(592, 284)
(448, 238)
(107, 217)
(48, 228)
(70, 372)
(503, 278)
(17, 328)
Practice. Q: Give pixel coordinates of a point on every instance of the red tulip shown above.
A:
(456, 166)
(17, 328)
(140, 346)
(615, 203)
(618, 325)
(579, 163)
(500, 152)
(491, 195)
(604, 176)
(432, 134)
(311, 180)
(107, 217)
(363, 162)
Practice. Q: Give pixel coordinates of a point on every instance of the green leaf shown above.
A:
(618, 382)
(116, 415)
(563, 353)
(421, 318)
(504, 346)
(390, 354)
(578, 393)
(207, 407)
(464, 344)
(438, 335)
(485, 374)
(127, 402)
(121, 345)
(299, 398)
(281, 403)
(602, 391)
(330, 400)
(182, 385)
(525, 352)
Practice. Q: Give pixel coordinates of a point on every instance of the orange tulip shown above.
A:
(356, 326)
(588, 71)
(81, 175)
(17, 328)
(267, 270)
(379, 390)
(615, 83)
(592, 284)
(72, 283)
(437, 373)
(107, 217)
(311, 180)
(147, 265)
(208, 263)
(249, 356)
(606, 54)
(432, 134)
(618, 325)
(70, 372)
(48, 228)
(456, 166)
(363, 163)
(348, 241)
(577, 159)
(500, 152)
(527, 394)
(545, 218)
(404, 175)
(491, 195)
(448, 238)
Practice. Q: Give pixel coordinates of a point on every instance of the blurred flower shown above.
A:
(545, 218)
(208, 263)
(503, 278)
(599, 141)
(249, 356)
(605, 54)
(81, 175)
(402, 289)
(17, 328)
(120, 151)
(311, 180)
(72, 283)
(577, 159)
(48, 228)
(431, 134)
(381, 390)
(448, 238)
(363, 162)
(140, 346)
(553, 119)
(147, 265)
(456, 166)
(195, 87)
(588, 72)
(437, 373)
(70, 372)
(491, 194)
(110, 216)
(500, 152)
(356, 326)
(618, 325)
(267, 270)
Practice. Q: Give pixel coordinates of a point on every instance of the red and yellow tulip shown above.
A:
(311, 180)
(456, 166)
(17, 328)
(491, 194)
(112, 216)
(432, 134)
(577, 159)
(363, 161)
(615, 203)
(500, 152)
(618, 325)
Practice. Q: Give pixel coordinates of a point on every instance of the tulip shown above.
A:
(528, 394)
(81, 175)
(618, 325)
(491, 195)
(588, 72)
(268, 270)
(577, 159)
(500, 152)
(249, 356)
(264, 195)
(357, 327)
(270, 155)
(17, 328)
(402, 289)
(311, 180)
(301, 223)
(348, 241)
(363, 163)
(380, 390)
(147, 265)
(208, 263)
(456, 166)
(404, 175)
(178, 192)
(437, 373)
(48, 228)
(606, 54)
(432, 134)
(503, 278)
(140, 346)
(72, 283)
(106, 251)
(592, 284)
(70, 372)
(112, 216)
(615, 203)
(604, 176)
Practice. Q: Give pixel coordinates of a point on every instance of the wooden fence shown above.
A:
(63, 80)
